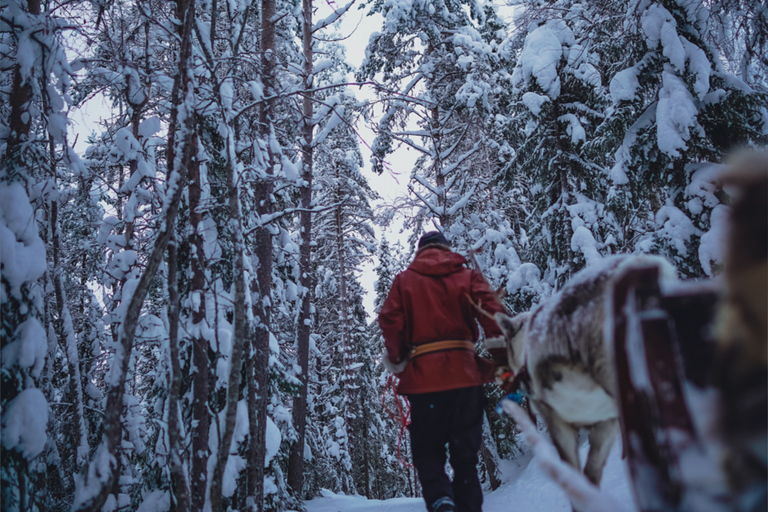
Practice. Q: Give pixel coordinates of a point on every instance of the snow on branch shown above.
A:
(461, 203)
(439, 212)
(333, 18)
(269, 219)
(462, 158)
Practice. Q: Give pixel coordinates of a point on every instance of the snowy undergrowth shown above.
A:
(526, 489)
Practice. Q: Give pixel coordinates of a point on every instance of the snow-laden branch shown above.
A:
(409, 142)
(461, 203)
(424, 183)
(333, 18)
(448, 152)
(449, 169)
(264, 220)
(439, 212)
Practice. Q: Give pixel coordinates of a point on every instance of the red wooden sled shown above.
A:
(664, 353)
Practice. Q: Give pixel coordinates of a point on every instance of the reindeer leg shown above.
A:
(565, 436)
(601, 437)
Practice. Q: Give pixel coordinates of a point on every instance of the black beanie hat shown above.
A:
(433, 237)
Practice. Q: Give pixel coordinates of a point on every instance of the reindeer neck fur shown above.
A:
(515, 338)
(517, 349)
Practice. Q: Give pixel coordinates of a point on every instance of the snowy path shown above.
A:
(527, 490)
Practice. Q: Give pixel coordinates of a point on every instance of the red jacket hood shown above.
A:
(437, 260)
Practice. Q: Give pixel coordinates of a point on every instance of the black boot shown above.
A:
(444, 504)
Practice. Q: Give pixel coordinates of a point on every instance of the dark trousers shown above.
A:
(454, 418)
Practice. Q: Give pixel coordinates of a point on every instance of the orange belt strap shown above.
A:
(437, 346)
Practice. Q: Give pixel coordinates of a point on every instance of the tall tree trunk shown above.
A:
(437, 167)
(20, 119)
(180, 495)
(258, 398)
(76, 428)
(201, 419)
(346, 341)
(98, 476)
(296, 457)
(259, 392)
(239, 336)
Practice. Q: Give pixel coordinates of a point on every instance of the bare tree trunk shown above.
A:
(296, 458)
(239, 335)
(346, 342)
(99, 474)
(201, 419)
(179, 479)
(259, 395)
(20, 119)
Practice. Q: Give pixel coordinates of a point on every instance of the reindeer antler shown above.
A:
(479, 307)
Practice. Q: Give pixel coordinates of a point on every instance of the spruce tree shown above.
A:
(673, 111)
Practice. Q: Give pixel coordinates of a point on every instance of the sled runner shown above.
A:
(664, 355)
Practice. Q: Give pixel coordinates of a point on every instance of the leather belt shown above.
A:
(438, 346)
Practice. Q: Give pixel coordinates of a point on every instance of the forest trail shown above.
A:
(526, 489)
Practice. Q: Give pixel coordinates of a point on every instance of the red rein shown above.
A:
(402, 417)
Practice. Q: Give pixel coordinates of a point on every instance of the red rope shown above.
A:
(402, 417)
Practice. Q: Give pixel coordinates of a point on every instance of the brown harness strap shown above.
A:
(438, 346)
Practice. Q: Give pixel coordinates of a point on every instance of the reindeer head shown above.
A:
(515, 337)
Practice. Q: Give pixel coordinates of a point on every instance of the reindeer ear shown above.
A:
(506, 324)
(511, 326)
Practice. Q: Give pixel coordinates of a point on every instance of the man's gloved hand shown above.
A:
(395, 368)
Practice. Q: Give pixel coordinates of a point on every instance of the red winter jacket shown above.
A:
(429, 302)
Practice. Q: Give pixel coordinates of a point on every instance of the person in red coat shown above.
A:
(430, 326)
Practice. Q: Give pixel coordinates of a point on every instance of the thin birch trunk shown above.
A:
(98, 475)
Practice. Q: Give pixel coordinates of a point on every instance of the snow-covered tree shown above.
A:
(344, 242)
(442, 67)
(674, 110)
(558, 102)
(40, 359)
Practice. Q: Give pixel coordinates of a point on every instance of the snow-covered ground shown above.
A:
(527, 489)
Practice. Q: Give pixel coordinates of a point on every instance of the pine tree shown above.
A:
(673, 110)
(36, 76)
(344, 240)
(559, 100)
(393, 477)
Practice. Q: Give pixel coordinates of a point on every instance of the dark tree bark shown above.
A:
(296, 457)
(200, 388)
(258, 395)
(101, 468)
(180, 494)
(20, 119)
